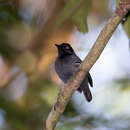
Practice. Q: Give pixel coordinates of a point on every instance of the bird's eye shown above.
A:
(67, 47)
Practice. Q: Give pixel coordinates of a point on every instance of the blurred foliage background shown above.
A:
(28, 83)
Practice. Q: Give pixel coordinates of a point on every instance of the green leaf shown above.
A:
(77, 10)
(80, 16)
(117, 1)
(69, 7)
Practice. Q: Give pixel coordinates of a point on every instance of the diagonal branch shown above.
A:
(68, 89)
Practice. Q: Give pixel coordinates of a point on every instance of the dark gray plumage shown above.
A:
(67, 62)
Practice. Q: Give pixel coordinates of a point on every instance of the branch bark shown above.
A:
(102, 40)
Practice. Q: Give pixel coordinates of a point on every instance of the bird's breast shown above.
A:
(64, 70)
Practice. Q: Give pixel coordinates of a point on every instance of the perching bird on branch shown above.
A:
(67, 62)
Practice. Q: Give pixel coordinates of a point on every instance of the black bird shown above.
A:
(67, 62)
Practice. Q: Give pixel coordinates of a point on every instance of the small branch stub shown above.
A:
(123, 8)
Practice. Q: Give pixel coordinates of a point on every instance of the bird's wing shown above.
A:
(87, 93)
(90, 80)
(77, 64)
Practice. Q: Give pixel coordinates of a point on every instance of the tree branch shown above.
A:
(68, 89)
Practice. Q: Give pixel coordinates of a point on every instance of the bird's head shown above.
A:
(64, 49)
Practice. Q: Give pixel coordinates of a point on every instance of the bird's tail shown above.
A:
(87, 93)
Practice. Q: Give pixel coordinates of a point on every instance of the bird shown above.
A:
(67, 63)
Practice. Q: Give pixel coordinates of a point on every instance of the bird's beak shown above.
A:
(57, 45)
